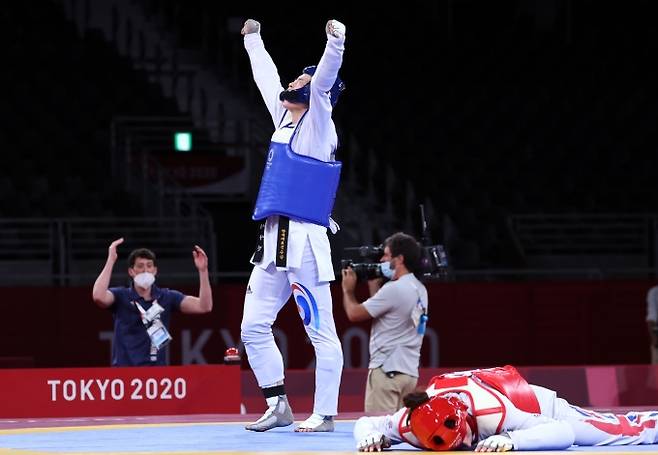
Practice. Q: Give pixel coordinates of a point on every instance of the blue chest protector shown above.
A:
(297, 186)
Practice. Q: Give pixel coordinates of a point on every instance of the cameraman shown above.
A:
(142, 311)
(399, 311)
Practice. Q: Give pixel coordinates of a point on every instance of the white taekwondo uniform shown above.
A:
(308, 270)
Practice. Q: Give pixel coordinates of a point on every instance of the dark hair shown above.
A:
(414, 399)
(406, 245)
(144, 253)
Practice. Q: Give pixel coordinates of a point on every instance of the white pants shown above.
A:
(267, 292)
(602, 429)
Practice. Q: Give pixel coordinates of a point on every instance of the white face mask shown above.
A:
(144, 280)
(386, 269)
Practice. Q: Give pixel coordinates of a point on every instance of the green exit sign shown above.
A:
(182, 141)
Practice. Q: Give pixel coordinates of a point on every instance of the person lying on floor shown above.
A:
(496, 410)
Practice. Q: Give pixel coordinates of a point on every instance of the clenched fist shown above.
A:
(335, 28)
(250, 26)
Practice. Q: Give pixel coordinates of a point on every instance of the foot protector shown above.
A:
(275, 416)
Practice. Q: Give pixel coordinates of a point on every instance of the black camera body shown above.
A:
(364, 260)
(433, 263)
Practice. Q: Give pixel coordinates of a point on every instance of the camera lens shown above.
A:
(367, 271)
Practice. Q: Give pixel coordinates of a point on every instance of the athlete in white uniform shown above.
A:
(304, 126)
(496, 410)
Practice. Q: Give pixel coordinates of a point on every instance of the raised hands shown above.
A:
(112, 250)
(200, 259)
(250, 26)
(335, 28)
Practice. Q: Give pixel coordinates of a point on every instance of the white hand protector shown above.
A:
(374, 442)
(495, 443)
(250, 26)
(336, 29)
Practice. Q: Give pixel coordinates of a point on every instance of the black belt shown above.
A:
(282, 242)
(282, 235)
(392, 374)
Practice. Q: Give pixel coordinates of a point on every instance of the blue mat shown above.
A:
(208, 437)
(181, 437)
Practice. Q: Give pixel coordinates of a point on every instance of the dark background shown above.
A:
(485, 109)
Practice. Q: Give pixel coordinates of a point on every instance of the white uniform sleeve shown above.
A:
(265, 75)
(534, 431)
(387, 425)
(652, 304)
(325, 75)
(317, 133)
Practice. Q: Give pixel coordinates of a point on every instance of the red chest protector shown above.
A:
(508, 381)
(488, 411)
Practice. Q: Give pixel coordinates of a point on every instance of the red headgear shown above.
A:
(440, 423)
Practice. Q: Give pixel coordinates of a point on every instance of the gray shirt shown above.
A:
(652, 304)
(394, 339)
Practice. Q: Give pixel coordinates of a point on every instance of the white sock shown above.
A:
(272, 401)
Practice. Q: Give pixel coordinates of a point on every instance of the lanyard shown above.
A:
(153, 352)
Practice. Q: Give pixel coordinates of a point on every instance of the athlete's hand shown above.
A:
(374, 442)
(335, 28)
(250, 26)
(200, 259)
(495, 443)
(112, 250)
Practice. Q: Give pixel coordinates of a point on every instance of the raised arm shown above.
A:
(203, 303)
(332, 58)
(320, 107)
(263, 69)
(100, 293)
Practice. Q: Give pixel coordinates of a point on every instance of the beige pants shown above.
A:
(384, 393)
